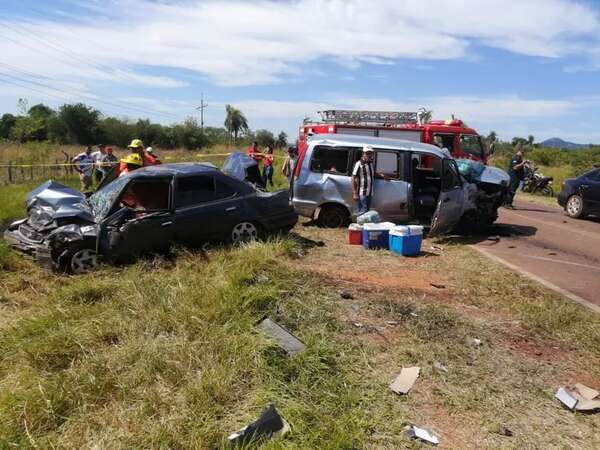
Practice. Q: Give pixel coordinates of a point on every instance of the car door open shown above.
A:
(142, 221)
(390, 195)
(450, 204)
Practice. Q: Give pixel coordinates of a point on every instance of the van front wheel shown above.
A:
(333, 216)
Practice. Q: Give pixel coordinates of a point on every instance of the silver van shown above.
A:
(423, 184)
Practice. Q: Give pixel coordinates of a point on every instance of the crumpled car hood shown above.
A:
(475, 171)
(51, 201)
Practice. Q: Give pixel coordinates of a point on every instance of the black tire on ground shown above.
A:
(547, 191)
(574, 206)
(78, 258)
(333, 216)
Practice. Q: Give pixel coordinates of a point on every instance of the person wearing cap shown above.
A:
(107, 161)
(131, 162)
(137, 146)
(363, 176)
(150, 151)
(84, 165)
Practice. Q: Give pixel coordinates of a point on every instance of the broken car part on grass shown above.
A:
(579, 398)
(406, 380)
(422, 434)
(268, 426)
(286, 340)
(145, 211)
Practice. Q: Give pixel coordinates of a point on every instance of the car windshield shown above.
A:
(102, 200)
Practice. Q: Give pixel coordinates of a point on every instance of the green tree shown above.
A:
(189, 135)
(28, 129)
(264, 138)
(116, 131)
(57, 130)
(235, 122)
(282, 141)
(41, 111)
(82, 123)
(530, 139)
(7, 122)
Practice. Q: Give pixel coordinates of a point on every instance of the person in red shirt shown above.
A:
(268, 166)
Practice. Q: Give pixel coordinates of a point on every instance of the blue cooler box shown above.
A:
(406, 240)
(377, 235)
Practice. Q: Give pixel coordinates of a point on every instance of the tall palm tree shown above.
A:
(235, 122)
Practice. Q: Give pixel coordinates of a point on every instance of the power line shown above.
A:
(78, 94)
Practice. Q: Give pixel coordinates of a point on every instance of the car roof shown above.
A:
(174, 169)
(377, 142)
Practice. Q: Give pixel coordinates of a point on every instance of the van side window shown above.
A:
(330, 159)
(389, 164)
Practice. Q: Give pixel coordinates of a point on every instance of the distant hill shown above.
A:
(560, 143)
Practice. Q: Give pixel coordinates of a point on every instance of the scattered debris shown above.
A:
(414, 314)
(439, 367)
(438, 286)
(512, 246)
(505, 431)
(405, 381)
(420, 433)
(269, 425)
(358, 325)
(286, 340)
(475, 342)
(494, 238)
(355, 307)
(579, 398)
(552, 253)
(392, 323)
(346, 295)
(437, 248)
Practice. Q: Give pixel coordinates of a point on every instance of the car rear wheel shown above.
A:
(333, 216)
(244, 232)
(574, 206)
(79, 259)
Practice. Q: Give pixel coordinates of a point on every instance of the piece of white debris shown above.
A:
(421, 433)
(406, 380)
(439, 367)
(579, 398)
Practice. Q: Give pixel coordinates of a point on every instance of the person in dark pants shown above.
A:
(268, 166)
(516, 171)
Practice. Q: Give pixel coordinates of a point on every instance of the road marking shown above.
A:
(564, 292)
(559, 261)
(561, 227)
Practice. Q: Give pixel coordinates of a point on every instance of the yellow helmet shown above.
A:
(133, 158)
(136, 143)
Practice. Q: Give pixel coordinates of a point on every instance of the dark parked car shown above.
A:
(145, 211)
(581, 196)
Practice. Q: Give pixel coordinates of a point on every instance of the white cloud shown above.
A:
(260, 42)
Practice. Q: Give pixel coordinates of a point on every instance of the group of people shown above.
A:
(95, 165)
(267, 158)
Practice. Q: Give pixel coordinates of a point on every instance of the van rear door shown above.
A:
(450, 205)
(390, 196)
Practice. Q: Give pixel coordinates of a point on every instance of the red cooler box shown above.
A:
(355, 234)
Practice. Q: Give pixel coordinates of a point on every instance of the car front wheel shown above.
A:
(78, 259)
(574, 206)
(244, 232)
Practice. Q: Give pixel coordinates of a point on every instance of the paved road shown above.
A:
(553, 248)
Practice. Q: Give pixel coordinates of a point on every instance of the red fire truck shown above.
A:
(454, 135)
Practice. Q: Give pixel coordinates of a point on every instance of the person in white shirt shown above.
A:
(96, 158)
(84, 165)
(363, 176)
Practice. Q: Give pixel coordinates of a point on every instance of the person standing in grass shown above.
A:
(363, 176)
(289, 165)
(107, 161)
(268, 166)
(516, 171)
(96, 157)
(84, 165)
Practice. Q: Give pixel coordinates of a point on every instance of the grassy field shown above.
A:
(166, 353)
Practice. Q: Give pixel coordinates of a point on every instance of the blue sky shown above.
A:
(516, 67)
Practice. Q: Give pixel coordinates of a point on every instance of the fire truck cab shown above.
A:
(453, 135)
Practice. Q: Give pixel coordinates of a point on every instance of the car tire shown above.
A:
(78, 258)
(574, 206)
(333, 216)
(244, 232)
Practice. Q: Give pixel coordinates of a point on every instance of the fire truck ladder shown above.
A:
(369, 117)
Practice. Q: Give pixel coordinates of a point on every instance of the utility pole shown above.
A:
(201, 108)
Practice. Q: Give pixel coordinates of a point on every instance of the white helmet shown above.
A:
(150, 150)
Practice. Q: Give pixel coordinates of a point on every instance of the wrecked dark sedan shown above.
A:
(145, 211)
